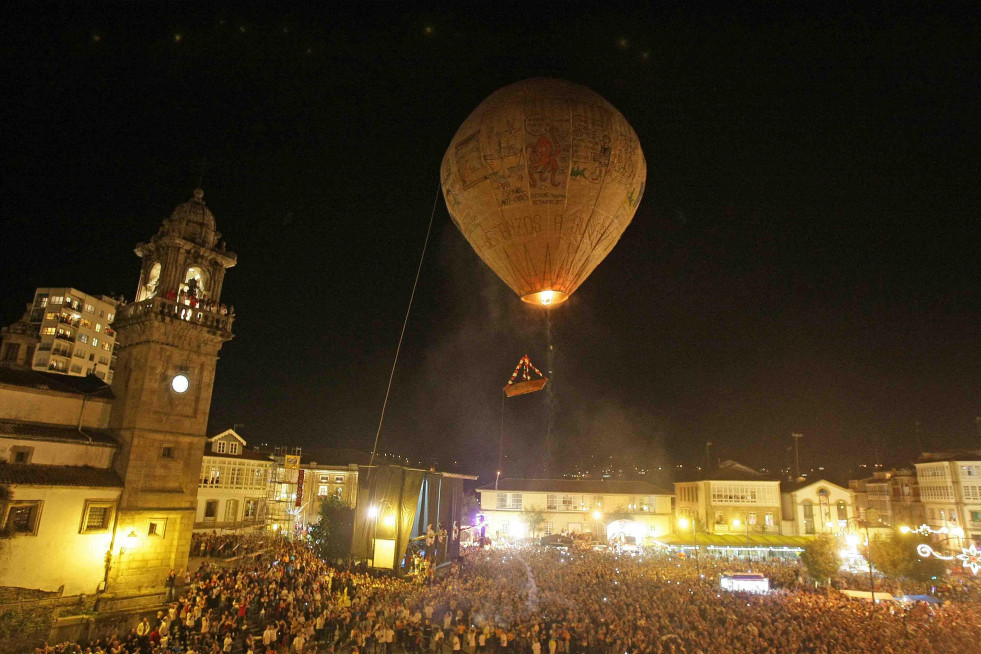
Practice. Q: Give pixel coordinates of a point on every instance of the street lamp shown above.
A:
(683, 523)
(864, 524)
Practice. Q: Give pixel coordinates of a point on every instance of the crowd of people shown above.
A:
(528, 601)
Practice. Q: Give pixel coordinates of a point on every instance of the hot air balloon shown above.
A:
(542, 179)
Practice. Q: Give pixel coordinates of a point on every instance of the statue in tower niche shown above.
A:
(167, 350)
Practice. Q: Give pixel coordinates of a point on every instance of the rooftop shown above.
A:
(950, 455)
(39, 475)
(90, 386)
(592, 486)
(735, 471)
(43, 431)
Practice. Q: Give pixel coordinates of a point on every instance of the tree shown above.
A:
(534, 518)
(332, 535)
(896, 557)
(820, 557)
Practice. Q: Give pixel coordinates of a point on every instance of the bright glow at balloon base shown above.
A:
(546, 299)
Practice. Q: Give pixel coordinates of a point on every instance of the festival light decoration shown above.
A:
(969, 556)
(924, 530)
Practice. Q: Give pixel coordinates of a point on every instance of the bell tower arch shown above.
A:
(168, 341)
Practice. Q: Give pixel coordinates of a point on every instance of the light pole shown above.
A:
(865, 524)
(749, 553)
(683, 523)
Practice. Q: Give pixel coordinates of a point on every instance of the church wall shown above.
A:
(52, 407)
(160, 541)
(60, 453)
(58, 554)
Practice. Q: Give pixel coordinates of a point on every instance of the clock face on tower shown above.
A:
(179, 383)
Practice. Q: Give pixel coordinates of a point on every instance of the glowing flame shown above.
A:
(546, 297)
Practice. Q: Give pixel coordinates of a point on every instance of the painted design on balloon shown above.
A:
(543, 162)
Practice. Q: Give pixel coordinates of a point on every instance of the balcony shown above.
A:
(213, 319)
(65, 337)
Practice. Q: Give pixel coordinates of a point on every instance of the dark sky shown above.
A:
(805, 259)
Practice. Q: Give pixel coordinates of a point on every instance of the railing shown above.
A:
(213, 319)
(65, 337)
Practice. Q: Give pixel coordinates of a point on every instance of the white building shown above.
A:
(234, 485)
(731, 498)
(577, 506)
(950, 490)
(75, 337)
(815, 507)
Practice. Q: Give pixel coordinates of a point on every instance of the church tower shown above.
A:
(167, 343)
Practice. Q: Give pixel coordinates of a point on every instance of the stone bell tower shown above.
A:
(167, 343)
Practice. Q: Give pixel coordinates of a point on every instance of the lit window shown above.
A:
(323, 490)
(51, 316)
(83, 338)
(109, 317)
(48, 331)
(22, 517)
(41, 301)
(55, 299)
(96, 516)
(157, 527)
(339, 479)
(89, 308)
(95, 342)
(251, 509)
(98, 327)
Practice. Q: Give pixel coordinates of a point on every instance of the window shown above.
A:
(55, 299)
(551, 503)
(231, 511)
(98, 327)
(251, 509)
(10, 351)
(95, 342)
(76, 368)
(85, 323)
(167, 452)
(975, 516)
(96, 516)
(842, 511)
(157, 527)
(51, 316)
(48, 331)
(233, 448)
(768, 519)
(323, 490)
(502, 501)
(339, 479)
(23, 517)
(41, 301)
(751, 520)
(719, 518)
(220, 447)
(84, 338)
(109, 317)
(21, 454)
(210, 509)
(548, 528)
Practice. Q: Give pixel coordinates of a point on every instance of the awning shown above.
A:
(735, 540)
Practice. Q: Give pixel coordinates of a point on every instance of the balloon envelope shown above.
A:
(542, 179)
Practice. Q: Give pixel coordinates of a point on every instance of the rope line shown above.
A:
(408, 310)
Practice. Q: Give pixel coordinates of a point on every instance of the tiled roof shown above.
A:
(247, 455)
(733, 471)
(591, 486)
(45, 381)
(40, 475)
(44, 431)
(794, 486)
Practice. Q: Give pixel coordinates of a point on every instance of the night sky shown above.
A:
(805, 258)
